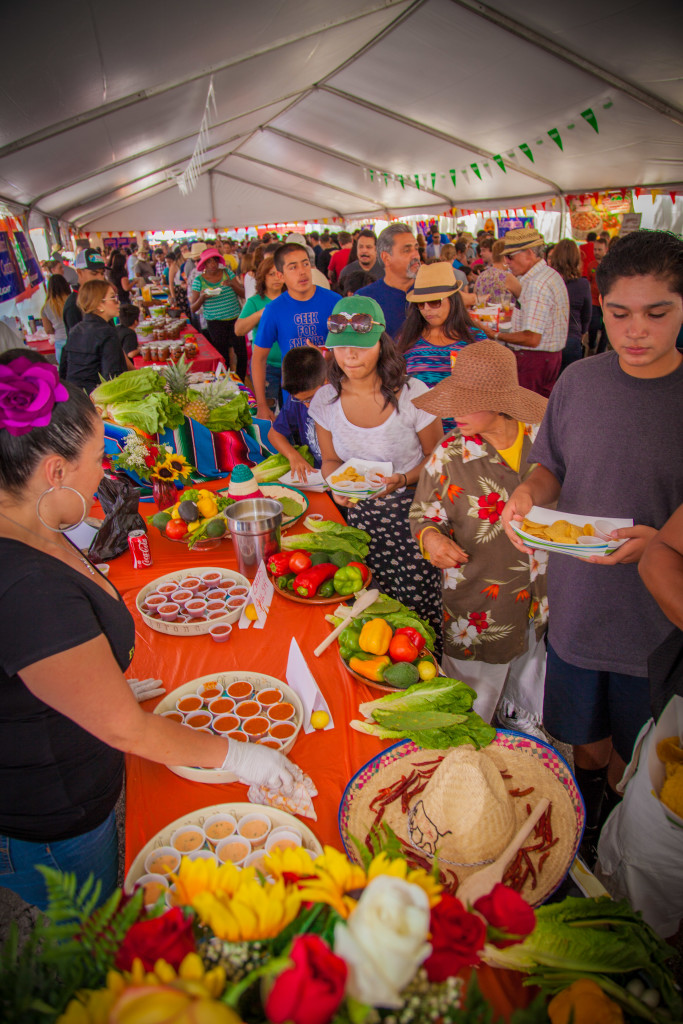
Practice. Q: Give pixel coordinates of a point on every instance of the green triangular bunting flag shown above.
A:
(526, 150)
(433, 179)
(372, 175)
(589, 116)
(555, 136)
(452, 173)
(400, 178)
(501, 163)
(476, 170)
(386, 178)
(417, 180)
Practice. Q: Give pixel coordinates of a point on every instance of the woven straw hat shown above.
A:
(434, 281)
(484, 379)
(521, 238)
(469, 809)
(196, 250)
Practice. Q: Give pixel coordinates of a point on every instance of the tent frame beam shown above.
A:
(354, 161)
(436, 133)
(560, 51)
(280, 192)
(305, 177)
(132, 99)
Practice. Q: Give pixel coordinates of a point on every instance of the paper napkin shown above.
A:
(302, 681)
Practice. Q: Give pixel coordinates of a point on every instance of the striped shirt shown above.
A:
(220, 307)
(543, 309)
(433, 363)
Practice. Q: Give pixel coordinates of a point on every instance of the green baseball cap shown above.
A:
(350, 314)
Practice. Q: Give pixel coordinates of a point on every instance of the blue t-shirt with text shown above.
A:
(293, 323)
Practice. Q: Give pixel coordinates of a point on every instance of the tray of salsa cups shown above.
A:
(241, 833)
(247, 707)
(192, 602)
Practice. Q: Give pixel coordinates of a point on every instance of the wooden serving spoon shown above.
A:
(364, 601)
(481, 882)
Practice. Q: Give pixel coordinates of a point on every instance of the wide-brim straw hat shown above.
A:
(210, 254)
(434, 281)
(467, 820)
(197, 250)
(483, 379)
(521, 238)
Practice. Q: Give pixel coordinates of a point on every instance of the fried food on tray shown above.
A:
(560, 532)
(671, 794)
(349, 476)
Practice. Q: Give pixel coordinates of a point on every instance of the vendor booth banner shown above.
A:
(11, 282)
(506, 224)
(33, 271)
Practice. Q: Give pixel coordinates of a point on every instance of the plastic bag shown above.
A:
(119, 498)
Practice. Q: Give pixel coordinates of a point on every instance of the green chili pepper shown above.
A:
(348, 580)
(283, 582)
(327, 589)
(348, 640)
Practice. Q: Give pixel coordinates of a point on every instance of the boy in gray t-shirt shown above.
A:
(611, 445)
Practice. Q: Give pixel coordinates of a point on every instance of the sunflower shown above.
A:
(291, 865)
(179, 464)
(197, 876)
(335, 879)
(252, 912)
(381, 865)
(164, 472)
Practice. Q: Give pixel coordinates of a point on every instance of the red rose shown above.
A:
(506, 911)
(168, 938)
(310, 991)
(457, 936)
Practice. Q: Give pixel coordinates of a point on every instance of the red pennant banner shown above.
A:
(543, 205)
(638, 192)
(673, 197)
(533, 207)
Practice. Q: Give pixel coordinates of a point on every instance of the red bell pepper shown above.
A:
(402, 648)
(413, 635)
(308, 581)
(278, 564)
(299, 560)
(363, 569)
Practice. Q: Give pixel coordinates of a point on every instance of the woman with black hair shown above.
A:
(437, 327)
(366, 411)
(68, 713)
(118, 275)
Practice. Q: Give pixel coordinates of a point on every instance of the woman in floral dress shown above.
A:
(495, 608)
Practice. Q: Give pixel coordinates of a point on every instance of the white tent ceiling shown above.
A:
(101, 103)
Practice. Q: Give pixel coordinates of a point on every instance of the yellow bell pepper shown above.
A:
(191, 527)
(175, 514)
(207, 507)
(584, 1002)
(375, 637)
(371, 668)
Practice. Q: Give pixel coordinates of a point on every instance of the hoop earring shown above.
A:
(72, 526)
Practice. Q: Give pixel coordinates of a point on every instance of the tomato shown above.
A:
(176, 529)
(299, 562)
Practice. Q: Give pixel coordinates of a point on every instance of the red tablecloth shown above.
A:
(44, 345)
(206, 360)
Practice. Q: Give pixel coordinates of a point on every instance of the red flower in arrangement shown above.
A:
(506, 911)
(168, 938)
(457, 937)
(311, 991)
(490, 506)
(150, 460)
(479, 620)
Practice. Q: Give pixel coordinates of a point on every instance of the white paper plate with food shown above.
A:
(359, 478)
(191, 826)
(242, 706)
(568, 533)
(315, 481)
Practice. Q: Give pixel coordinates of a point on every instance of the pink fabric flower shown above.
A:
(28, 393)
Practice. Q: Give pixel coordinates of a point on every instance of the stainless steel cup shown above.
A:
(254, 526)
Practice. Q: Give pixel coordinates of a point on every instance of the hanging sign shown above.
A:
(33, 271)
(11, 283)
(506, 224)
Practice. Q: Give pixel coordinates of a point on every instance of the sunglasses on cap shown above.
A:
(361, 323)
(432, 303)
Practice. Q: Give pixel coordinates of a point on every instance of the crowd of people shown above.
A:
(479, 427)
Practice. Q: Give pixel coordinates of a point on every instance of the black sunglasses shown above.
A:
(432, 303)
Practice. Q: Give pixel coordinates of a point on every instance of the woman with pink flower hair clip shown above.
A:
(68, 713)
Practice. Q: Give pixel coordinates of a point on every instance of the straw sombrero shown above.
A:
(483, 379)
(469, 805)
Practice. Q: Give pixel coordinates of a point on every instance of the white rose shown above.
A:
(384, 941)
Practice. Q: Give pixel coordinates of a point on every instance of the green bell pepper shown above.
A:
(348, 580)
(348, 640)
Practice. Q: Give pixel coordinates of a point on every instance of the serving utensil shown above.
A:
(362, 602)
(481, 882)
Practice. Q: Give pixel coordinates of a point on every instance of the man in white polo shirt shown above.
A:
(539, 324)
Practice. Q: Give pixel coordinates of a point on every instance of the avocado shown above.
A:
(215, 527)
(321, 557)
(401, 674)
(341, 558)
(188, 511)
(160, 520)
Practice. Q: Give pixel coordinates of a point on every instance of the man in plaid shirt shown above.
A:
(539, 323)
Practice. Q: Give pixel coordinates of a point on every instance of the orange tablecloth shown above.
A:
(154, 795)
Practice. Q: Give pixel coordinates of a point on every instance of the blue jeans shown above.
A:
(94, 852)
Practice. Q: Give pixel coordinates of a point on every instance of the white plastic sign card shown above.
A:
(302, 681)
(260, 595)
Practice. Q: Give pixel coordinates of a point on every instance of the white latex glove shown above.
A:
(145, 689)
(261, 766)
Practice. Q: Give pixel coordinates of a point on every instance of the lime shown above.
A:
(251, 613)
(161, 519)
(319, 719)
(427, 669)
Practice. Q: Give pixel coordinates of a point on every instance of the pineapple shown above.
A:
(177, 384)
(219, 393)
(195, 407)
